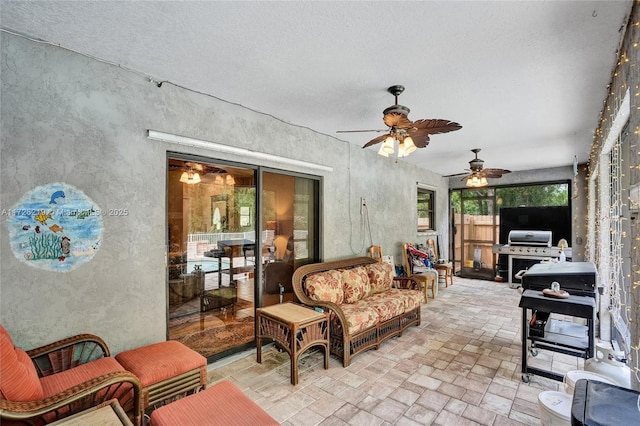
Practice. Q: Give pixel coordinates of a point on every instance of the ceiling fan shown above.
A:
(409, 134)
(191, 171)
(478, 176)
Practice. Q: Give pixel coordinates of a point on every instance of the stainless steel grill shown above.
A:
(530, 245)
(530, 238)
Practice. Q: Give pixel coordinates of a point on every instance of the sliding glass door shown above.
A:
(231, 251)
(211, 218)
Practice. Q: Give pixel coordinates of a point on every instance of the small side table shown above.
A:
(109, 413)
(296, 329)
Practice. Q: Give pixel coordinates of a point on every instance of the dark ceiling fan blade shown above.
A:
(495, 173)
(456, 174)
(375, 140)
(420, 140)
(434, 126)
(360, 131)
(397, 120)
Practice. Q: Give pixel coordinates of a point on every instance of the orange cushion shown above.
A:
(325, 287)
(64, 380)
(355, 282)
(386, 305)
(380, 276)
(221, 404)
(359, 316)
(160, 361)
(18, 376)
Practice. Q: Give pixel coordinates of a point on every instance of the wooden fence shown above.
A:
(479, 233)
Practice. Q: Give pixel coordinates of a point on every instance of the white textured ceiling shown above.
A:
(525, 79)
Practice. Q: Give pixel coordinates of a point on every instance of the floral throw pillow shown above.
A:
(355, 283)
(325, 287)
(380, 276)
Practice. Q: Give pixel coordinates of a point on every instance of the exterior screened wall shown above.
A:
(613, 201)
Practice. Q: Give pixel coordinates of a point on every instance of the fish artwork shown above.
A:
(55, 196)
(56, 228)
(42, 217)
(65, 244)
(44, 230)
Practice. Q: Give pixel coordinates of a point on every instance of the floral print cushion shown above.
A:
(325, 287)
(359, 316)
(355, 282)
(380, 276)
(387, 305)
(411, 299)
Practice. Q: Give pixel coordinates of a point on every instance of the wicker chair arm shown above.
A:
(79, 398)
(68, 353)
(405, 283)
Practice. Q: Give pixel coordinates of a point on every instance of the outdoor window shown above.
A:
(426, 210)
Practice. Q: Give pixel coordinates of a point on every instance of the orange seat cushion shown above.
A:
(160, 361)
(64, 380)
(221, 404)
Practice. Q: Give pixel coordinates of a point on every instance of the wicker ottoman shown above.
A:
(222, 404)
(165, 370)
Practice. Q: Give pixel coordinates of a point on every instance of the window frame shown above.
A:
(430, 210)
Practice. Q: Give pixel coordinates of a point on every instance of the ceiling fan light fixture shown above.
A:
(230, 180)
(401, 150)
(475, 181)
(387, 146)
(409, 146)
(190, 178)
(382, 152)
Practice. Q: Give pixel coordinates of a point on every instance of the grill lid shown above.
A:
(530, 238)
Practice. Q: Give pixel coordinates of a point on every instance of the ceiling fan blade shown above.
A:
(495, 173)
(421, 140)
(456, 174)
(397, 120)
(360, 131)
(434, 126)
(375, 140)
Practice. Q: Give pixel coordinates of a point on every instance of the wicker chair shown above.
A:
(441, 266)
(58, 380)
(426, 278)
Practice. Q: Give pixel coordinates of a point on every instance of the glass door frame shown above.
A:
(486, 194)
(497, 205)
(258, 178)
(259, 219)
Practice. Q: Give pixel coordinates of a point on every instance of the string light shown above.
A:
(623, 301)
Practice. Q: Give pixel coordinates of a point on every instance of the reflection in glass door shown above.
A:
(289, 231)
(211, 219)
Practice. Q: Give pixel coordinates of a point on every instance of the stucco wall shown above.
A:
(69, 118)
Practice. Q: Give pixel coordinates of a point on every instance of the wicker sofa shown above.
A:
(367, 304)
